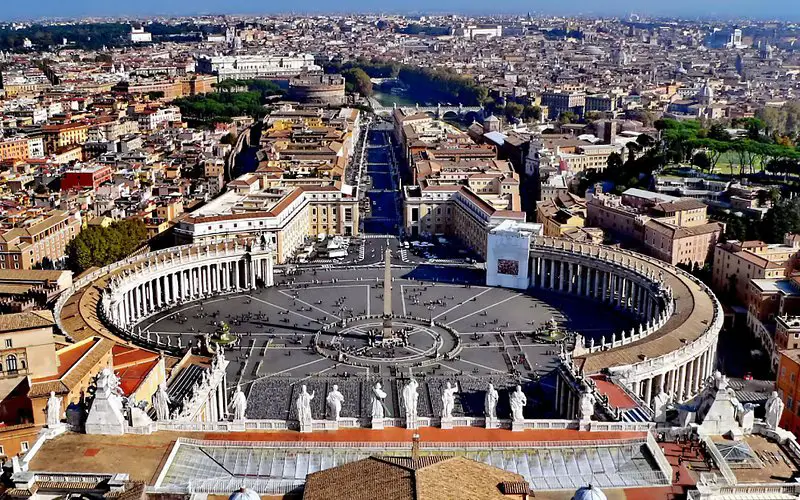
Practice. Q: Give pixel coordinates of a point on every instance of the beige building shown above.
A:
(40, 237)
(676, 230)
(738, 262)
(561, 214)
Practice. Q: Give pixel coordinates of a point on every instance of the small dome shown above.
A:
(589, 493)
(245, 494)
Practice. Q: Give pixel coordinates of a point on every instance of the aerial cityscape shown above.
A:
(472, 253)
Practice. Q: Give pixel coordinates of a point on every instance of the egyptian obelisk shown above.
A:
(387, 295)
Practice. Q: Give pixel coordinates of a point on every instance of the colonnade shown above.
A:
(627, 291)
(635, 285)
(159, 281)
(680, 382)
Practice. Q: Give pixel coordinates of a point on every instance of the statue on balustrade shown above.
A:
(304, 407)
(239, 404)
(774, 409)
(53, 410)
(335, 400)
(378, 395)
(490, 402)
(161, 402)
(518, 402)
(587, 403)
(448, 400)
(660, 406)
(410, 397)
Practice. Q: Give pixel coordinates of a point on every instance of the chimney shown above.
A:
(415, 447)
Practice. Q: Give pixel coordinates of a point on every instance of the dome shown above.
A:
(247, 494)
(593, 50)
(589, 493)
(706, 91)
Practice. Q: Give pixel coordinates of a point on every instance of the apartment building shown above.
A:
(675, 230)
(60, 136)
(561, 214)
(737, 262)
(788, 386)
(44, 236)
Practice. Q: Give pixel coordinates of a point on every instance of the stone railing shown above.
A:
(355, 423)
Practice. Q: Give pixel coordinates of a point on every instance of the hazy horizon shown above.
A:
(784, 9)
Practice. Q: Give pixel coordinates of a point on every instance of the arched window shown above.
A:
(11, 363)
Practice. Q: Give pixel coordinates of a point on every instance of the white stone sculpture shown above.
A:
(304, 407)
(53, 410)
(490, 402)
(587, 405)
(378, 395)
(660, 404)
(518, 401)
(161, 402)
(774, 409)
(335, 400)
(105, 415)
(448, 400)
(239, 404)
(410, 397)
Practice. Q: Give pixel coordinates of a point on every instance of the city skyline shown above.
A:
(714, 9)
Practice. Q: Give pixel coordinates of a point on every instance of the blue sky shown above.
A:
(783, 9)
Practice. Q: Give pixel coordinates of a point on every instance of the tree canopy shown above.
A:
(100, 246)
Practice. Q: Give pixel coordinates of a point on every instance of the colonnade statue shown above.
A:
(518, 401)
(304, 407)
(378, 395)
(490, 402)
(239, 404)
(335, 400)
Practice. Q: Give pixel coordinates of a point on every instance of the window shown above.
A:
(11, 363)
(24, 445)
(9, 343)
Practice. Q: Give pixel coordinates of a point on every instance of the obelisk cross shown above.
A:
(387, 295)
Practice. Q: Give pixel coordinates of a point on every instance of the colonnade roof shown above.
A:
(694, 314)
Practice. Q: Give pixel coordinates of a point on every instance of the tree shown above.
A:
(701, 160)
(229, 138)
(614, 162)
(359, 80)
(532, 113)
(100, 246)
(513, 110)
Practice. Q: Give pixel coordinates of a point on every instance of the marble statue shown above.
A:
(518, 401)
(720, 381)
(410, 397)
(239, 403)
(335, 400)
(106, 412)
(448, 400)
(660, 404)
(378, 395)
(161, 402)
(304, 406)
(490, 402)
(587, 405)
(774, 409)
(53, 410)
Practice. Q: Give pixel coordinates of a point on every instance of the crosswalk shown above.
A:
(361, 250)
(404, 255)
